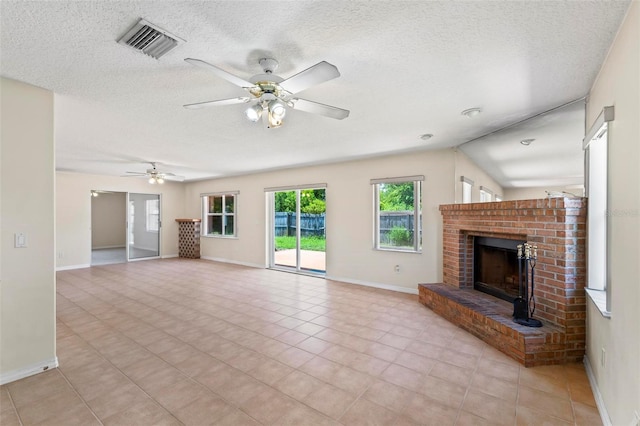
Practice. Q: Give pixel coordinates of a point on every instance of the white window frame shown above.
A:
(467, 189)
(417, 213)
(152, 218)
(598, 211)
(206, 214)
(486, 195)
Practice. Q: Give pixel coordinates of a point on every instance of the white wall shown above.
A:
(109, 220)
(618, 84)
(73, 213)
(27, 277)
(536, 193)
(349, 195)
(464, 166)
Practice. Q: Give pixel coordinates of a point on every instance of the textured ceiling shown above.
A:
(407, 68)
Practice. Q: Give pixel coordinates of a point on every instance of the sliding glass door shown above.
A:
(299, 230)
(143, 234)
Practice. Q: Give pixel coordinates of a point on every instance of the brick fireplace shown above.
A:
(557, 226)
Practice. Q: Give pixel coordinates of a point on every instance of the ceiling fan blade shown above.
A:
(171, 176)
(220, 102)
(130, 174)
(220, 73)
(319, 73)
(318, 108)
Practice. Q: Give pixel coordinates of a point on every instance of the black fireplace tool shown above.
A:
(522, 314)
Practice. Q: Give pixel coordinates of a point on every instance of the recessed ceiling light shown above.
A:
(471, 112)
(526, 142)
(426, 136)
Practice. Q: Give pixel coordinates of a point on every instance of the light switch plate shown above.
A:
(20, 240)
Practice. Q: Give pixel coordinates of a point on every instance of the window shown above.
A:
(498, 197)
(219, 214)
(398, 213)
(467, 185)
(486, 194)
(152, 215)
(596, 146)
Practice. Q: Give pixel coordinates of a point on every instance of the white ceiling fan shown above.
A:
(271, 94)
(155, 175)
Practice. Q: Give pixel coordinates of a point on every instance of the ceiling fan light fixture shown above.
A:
(152, 180)
(277, 109)
(160, 180)
(254, 113)
(471, 112)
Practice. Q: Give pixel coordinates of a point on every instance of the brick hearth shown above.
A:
(557, 227)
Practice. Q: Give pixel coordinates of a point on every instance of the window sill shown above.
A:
(226, 237)
(599, 298)
(396, 250)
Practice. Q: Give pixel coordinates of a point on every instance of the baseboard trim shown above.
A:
(375, 285)
(169, 256)
(70, 267)
(234, 262)
(31, 370)
(108, 247)
(602, 409)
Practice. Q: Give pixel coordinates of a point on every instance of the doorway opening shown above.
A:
(298, 231)
(124, 227)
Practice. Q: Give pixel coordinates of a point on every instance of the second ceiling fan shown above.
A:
(272, 94)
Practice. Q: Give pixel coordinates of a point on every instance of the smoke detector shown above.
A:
(150, 39)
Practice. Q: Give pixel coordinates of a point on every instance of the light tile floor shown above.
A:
(194, 342)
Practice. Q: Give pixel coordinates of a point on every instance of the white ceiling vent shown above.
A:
(150, 39)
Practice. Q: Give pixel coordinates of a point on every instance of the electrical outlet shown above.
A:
(603, 358)
(397, 268)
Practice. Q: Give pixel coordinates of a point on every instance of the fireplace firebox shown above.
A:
(495, 267)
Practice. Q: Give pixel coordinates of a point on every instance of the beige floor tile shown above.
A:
(302, 415)
(364, 412)
(142, 413)
(395, 341)
(352, 381)
(240, 389)
(544, 380)
(369, 364)
(451, 373)
(321, 368)
(268, 406)
(270, 371)
(9, 418)
(499, 411)
(294, 357)
(404, 377)
(204, 410)
(117, 400)
(389, 395)
(426, 411)
(330, 401)
(385, 359)
(5, 399)
(236, 418)
(34, 388)
(586, 414)
(507, 391)
(178, 395)
(509, 372)
(446, 392)
(298, 385)
(545, 402)
(314, 345)
(530, 417)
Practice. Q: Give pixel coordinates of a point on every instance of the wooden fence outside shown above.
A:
(314, 224)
